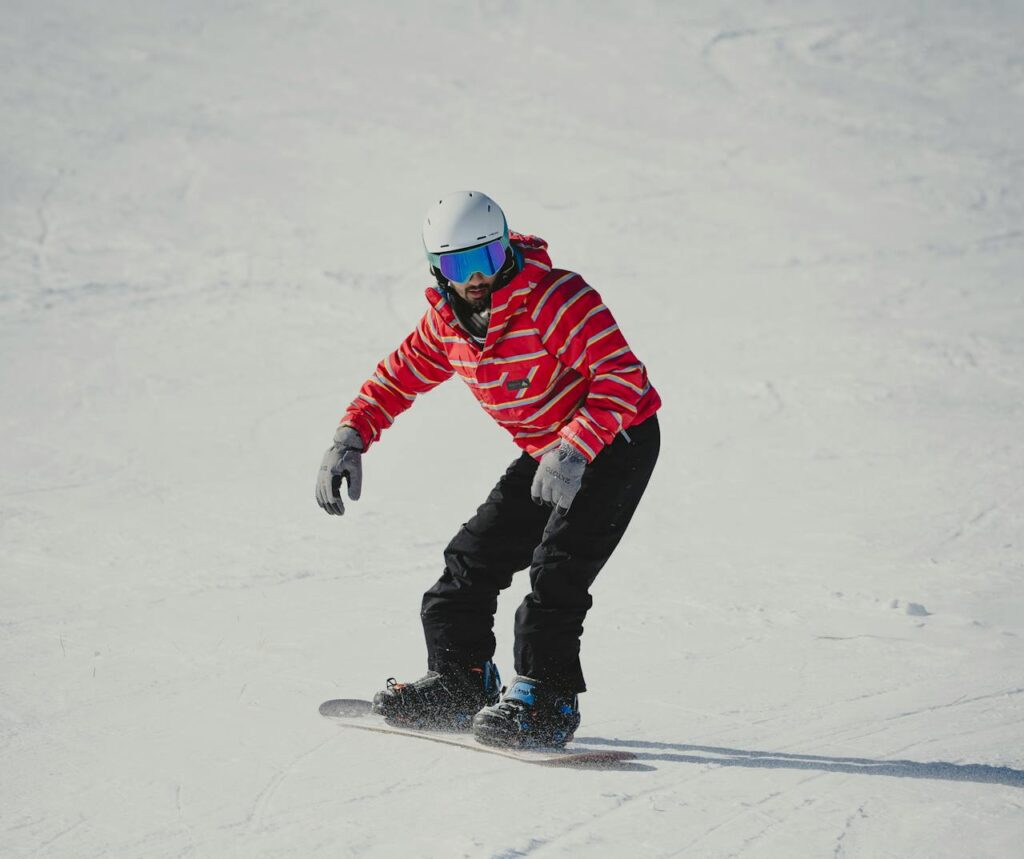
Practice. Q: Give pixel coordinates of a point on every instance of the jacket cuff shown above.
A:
(361, 427)
(588, 444)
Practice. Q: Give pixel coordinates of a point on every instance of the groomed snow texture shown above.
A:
(808, 218)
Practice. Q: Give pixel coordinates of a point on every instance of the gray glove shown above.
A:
(558, 477)
(343, 459)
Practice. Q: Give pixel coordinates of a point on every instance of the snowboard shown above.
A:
(357, 714)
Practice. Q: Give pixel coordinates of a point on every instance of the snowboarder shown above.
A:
(546, 360)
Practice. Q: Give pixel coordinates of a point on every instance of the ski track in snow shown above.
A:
(577, 829)
(959, 702)
(859, 814)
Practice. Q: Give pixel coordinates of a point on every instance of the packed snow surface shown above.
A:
(808, 218)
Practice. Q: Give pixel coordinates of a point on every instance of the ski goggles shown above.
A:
(460, 266)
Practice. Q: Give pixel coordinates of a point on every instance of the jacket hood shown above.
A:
(534, 246)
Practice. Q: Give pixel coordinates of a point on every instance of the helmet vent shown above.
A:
(464, 219)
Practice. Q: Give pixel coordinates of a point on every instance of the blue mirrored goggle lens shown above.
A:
(461, 265)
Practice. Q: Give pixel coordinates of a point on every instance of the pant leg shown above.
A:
(573, 549)
(458, 611)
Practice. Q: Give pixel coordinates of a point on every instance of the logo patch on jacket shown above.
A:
(517, 384)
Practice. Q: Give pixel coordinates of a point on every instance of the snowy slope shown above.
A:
(807, 218)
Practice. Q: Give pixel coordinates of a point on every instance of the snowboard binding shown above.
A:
(439, 701)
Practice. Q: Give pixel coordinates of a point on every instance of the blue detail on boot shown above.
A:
(522, 689)
(529, 714)
(492, 681)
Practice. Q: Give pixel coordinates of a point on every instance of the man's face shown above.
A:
(476, 291)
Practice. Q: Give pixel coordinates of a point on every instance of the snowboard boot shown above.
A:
(439, 701)
(530, 713)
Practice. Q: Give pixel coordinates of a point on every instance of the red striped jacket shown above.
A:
(554, 364)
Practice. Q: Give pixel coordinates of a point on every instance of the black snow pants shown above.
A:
(564, 553)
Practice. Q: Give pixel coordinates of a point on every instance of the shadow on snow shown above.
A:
(938, 770)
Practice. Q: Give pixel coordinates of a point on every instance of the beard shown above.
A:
(481, 302)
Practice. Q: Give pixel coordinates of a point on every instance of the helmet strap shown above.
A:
(442, 281)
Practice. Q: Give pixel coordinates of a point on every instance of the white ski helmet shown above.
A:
(465, 232)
